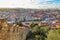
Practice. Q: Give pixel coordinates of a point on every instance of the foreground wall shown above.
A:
(9, 32)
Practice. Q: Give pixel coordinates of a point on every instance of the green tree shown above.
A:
(35, 29)
(53, 35)
(32, 25)
(19, 23)
(38, 32)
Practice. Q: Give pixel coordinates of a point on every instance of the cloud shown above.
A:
(37, 4)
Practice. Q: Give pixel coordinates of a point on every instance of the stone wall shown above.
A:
(10, 32)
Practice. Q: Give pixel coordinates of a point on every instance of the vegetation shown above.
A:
(19, 23)
(53, 34)
(38, 32)
(43, 32)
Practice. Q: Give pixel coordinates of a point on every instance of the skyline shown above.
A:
(34, 4)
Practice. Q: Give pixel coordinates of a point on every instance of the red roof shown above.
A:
(26, 26)
(57, 24)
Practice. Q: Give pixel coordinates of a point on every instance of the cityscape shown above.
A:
(29, 19)
(29, 24)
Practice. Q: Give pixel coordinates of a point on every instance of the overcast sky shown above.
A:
(37, 4)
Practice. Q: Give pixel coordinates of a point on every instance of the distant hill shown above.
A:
(22, 10)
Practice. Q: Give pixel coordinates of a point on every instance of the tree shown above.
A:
(19, 23)
(53, 35)
(38, 32)
(32, 25)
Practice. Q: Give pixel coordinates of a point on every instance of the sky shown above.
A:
(34, 4)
